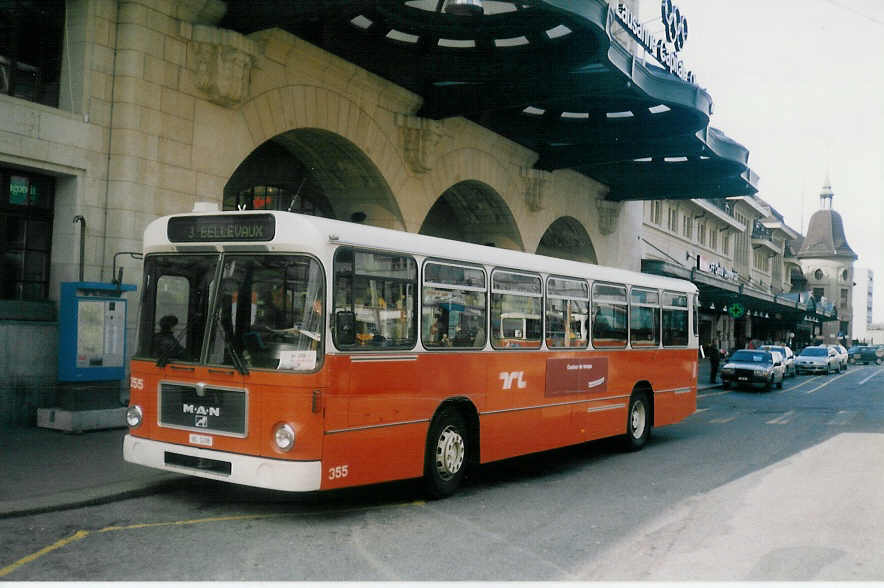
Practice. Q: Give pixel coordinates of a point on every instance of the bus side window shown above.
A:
(454, 306)
(609, 312)
(516, 310)
(379, 289)
(675, 319)
(567, 302)
(644, 318)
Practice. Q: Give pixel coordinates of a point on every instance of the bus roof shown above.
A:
(317, 235)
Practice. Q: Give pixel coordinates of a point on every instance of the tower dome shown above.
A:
(825, 233)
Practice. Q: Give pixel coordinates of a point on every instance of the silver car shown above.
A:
(817, 358)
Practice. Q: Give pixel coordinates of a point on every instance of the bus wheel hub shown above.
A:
(449, 452)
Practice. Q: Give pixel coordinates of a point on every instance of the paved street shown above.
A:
(780, 485)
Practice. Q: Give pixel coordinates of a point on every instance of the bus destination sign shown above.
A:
(199, 229)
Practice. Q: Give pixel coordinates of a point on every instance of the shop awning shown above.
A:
(547, 74)
(719, 292)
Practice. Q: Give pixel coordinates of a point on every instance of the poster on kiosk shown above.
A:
(92, 331)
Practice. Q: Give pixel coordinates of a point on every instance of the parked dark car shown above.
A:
(873, 354)
(753, 366)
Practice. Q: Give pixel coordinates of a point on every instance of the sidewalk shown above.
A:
(42, 470)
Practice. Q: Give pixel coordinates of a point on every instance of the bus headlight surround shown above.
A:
(283, 437)
(134, 416)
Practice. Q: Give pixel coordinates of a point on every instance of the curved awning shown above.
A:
(546, 74)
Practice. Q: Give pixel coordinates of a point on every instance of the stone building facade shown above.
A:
(158, 108)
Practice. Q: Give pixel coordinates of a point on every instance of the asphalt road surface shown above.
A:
(779, 485)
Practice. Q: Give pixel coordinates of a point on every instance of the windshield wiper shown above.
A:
(238, 361)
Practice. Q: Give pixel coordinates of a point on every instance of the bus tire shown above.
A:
(447, 450)
(638, 421)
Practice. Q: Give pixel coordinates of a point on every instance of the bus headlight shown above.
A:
(134, 416)
(283, 436)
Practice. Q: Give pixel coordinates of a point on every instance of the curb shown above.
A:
(88, 496)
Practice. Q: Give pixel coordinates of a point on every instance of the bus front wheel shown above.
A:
(638, 423)
(446, 453)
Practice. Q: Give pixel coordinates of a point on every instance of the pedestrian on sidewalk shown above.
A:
(714, 358)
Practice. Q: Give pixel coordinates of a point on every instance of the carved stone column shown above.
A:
(535, 181)
(222, 63)
(609, 212)
(420, 136)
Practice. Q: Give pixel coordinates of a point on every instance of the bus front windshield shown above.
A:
(266, 311)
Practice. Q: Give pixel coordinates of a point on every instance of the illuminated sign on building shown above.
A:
(666, 52)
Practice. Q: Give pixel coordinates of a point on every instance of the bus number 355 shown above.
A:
(337, 472)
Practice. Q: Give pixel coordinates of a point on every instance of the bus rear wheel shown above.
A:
(446, 453)
(638, 422)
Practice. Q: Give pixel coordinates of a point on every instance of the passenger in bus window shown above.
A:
(439, 329)
(479, 336)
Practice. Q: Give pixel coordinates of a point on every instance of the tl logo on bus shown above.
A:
(510, 377)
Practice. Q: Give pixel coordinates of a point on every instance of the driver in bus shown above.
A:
(164, 342)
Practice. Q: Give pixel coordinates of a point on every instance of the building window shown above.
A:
(687, 226)
(276, 198)
(31, 49)
(656, 212)
(818, 274)
(713, 239)
(25, 234)
(818, 293)
(701, 234)
(845, 274)
(726, 244)
(844, 297)
(673, 219)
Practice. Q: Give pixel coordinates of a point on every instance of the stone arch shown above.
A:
(338, 142)
(320, 173)
(567, 238)
(472, 211)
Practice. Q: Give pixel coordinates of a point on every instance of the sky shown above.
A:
(800, 83)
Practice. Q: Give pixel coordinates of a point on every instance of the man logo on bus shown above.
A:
(508, 378)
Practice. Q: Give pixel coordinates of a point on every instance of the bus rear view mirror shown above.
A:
(345, 327)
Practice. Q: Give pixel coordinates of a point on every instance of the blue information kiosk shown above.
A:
(91, 357)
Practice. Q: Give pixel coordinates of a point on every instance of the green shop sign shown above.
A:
(736, 309)
(21, 191)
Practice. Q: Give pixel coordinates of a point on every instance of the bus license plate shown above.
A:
(743, 378)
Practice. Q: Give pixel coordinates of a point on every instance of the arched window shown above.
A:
(275, 198)
(818, 274)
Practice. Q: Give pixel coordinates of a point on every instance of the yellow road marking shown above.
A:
(29, 558)
(79, 535)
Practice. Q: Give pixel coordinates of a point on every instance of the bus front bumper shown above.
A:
(274, 474)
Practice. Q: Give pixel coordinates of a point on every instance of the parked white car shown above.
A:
(841, 354)
(788, 357)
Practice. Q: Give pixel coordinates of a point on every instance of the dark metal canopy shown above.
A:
(546, 74)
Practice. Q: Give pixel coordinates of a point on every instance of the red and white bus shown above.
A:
(299, 353)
